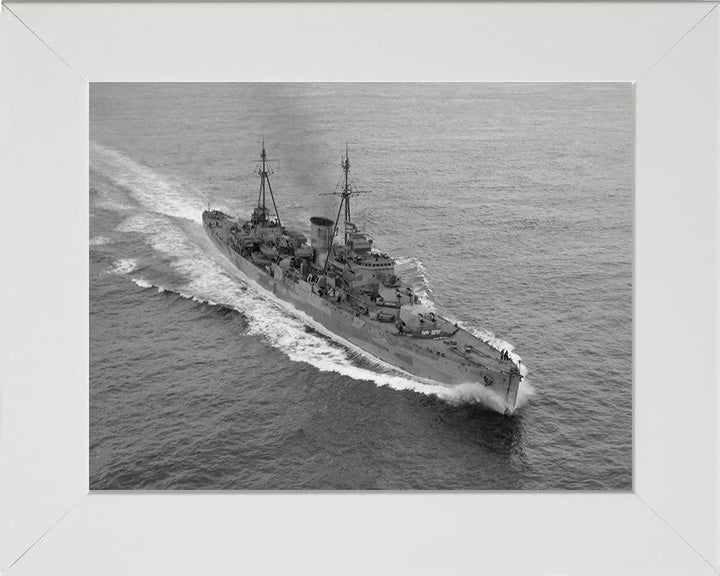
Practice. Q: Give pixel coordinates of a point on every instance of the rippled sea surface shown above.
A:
(509, 206)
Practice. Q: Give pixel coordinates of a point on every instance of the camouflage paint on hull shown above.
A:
(423, 358)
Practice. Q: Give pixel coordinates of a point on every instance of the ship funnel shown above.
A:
(321, 237)
(321, 230)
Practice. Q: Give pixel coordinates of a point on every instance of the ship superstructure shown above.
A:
(353, 290)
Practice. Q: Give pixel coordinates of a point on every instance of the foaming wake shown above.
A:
(169, 222)
(145, 284)
(99, 241)
(124, 266)
(155, 193)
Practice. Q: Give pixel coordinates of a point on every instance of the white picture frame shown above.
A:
(51, 524)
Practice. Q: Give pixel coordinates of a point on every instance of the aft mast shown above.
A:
(348, 190)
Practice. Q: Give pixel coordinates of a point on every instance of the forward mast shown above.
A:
(264, 170)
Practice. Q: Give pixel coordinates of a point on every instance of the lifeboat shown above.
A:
(385, 316)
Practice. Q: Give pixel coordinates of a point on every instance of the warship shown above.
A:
(352, 290)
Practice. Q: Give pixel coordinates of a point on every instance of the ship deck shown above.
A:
(440, 337)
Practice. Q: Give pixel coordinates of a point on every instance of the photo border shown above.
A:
(51, 523)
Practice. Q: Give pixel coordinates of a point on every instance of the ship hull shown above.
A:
(396, 350)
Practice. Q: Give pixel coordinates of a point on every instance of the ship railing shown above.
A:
(429, 334)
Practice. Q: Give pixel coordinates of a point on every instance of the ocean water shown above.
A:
(509, 206)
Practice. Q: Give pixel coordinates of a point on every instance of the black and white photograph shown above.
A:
(361, 286)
